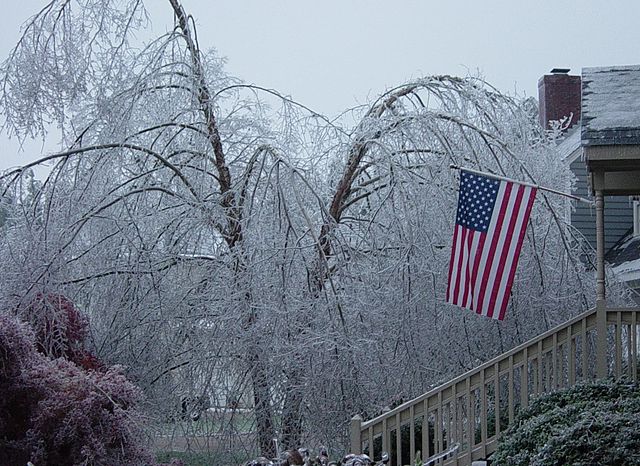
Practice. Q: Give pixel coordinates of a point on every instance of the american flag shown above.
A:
(490, 225)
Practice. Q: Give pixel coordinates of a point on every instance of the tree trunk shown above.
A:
(232, 235)
(291, 431)
(262, 403)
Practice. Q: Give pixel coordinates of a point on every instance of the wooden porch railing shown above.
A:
(468, 414)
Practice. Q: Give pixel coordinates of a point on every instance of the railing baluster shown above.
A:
(572, 360)
(524, 380)
(385, 435)
(562, 365)
(554, 385)
(510, 400)
(627, 348)
(425, 450)
(437, 430)
(535, 361)
(569, 352)
(453, 415)
(496, 384)
(412, 435)
(483, 412)
(585, 347)
(618, 333)
(450, 424)
(470, 418)
(540, 388)
(634, 346)
(459, 422)
(398, 440)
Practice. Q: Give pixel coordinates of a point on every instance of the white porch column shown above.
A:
(601, 304)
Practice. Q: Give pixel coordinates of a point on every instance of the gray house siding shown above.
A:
(618, 212)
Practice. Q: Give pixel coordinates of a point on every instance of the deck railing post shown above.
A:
(601, 342)
(356, 435)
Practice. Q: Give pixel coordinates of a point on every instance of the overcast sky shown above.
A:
(334, 54)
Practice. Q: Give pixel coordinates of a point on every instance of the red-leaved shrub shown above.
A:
(60, 329)
(55, 412)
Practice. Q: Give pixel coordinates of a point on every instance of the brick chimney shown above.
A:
(559, 96)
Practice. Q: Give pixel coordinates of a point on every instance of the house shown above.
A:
(599, 108)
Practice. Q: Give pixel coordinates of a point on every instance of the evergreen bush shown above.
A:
(591, 423)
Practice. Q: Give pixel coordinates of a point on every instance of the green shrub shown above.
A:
(595, 423)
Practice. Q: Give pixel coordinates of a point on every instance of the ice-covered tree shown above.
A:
(227, 240)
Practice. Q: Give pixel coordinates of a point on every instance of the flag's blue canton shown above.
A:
(476, 200)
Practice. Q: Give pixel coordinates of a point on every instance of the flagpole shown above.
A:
(504, 178)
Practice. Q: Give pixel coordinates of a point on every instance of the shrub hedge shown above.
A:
(591, 423)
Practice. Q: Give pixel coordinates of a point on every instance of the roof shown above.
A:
(570, 144)
(624, 258)
(611, 105)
